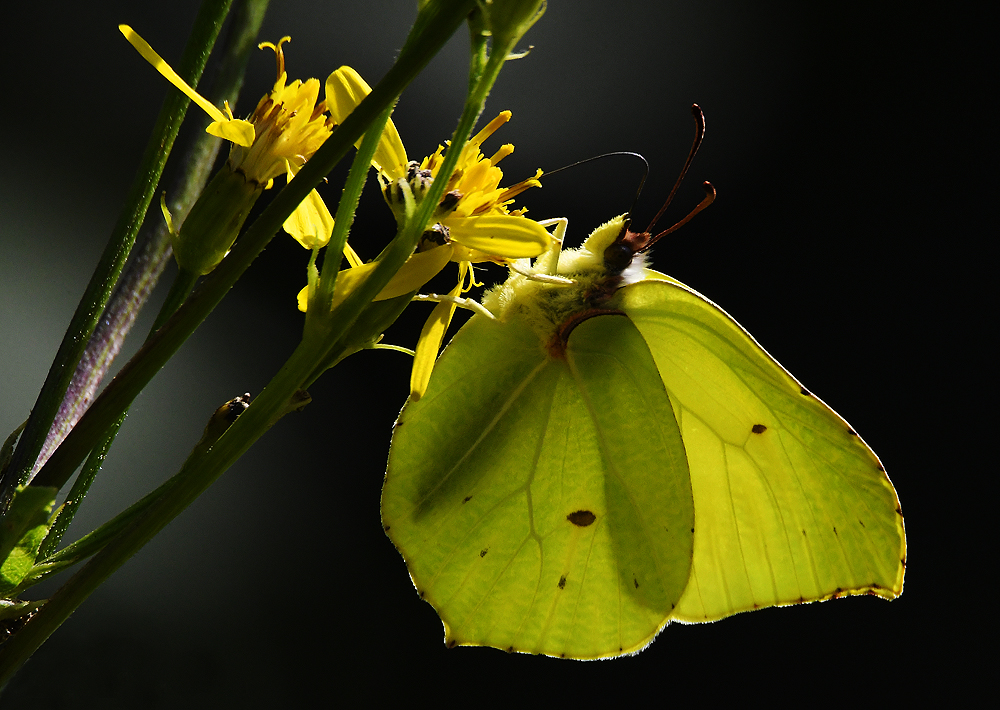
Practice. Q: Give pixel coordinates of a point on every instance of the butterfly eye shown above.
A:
(617, 257)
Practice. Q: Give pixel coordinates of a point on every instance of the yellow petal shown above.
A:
(415, 273)
(344, 91)
(504, 236)
(352, 256)
(311, 224)
(431, 336)
(418, 270)
(236, 130)
(237, 134)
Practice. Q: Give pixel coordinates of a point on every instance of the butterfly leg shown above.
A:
(546, 266)
(470, 303)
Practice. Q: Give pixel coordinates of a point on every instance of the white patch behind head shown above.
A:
(635, 271)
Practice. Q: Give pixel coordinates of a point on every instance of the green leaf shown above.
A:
(26, 522)
(613, 455)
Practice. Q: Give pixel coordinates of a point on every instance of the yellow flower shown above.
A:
(473, 220)
(476, 224)
(475, 211)
(285, 129)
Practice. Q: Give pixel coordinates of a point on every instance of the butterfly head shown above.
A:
(621, 253)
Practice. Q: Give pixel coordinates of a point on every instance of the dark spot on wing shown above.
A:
(451, 643)
(862, 524)
(582, 518)
(510, 649)
(758, 428)
(466, 499)
(881, 468)
(482, 553)
(562, 582)
(386, 528)
(835, 530)
(803, 532)
(852, 432)
(806, 392)
(635, 582)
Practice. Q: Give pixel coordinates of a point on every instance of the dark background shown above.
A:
(842, 141)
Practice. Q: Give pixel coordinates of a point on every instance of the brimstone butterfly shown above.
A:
(612, 455)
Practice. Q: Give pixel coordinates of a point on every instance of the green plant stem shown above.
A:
(333, 329)
(180, 289)
(342, 221)
(206, 29)
(197, 474)
(51, 561)
(77, 493)
(430, 32)
(143, 271)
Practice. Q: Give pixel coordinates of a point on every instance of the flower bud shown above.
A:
(215, 221)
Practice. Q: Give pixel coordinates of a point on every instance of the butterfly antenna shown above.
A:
(708, 199)
(598, 157)
(699, 136)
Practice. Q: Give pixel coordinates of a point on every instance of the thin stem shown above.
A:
(180, 289)
(96, 295)
(198, 473)
(392, 258)
(152, 250)
(356, 178)
(143, 271)
(81, 486)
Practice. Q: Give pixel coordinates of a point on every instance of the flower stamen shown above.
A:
(279, 55)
